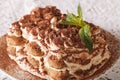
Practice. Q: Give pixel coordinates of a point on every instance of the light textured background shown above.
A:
(105, 13)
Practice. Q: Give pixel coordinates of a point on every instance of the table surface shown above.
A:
(105, 13)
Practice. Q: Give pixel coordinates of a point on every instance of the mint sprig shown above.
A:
(86, 37)
(84, 32)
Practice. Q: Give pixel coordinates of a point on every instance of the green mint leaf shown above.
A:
(87, 29)
(85, 36)
(84, 31)
(71, 19)
(79, 10)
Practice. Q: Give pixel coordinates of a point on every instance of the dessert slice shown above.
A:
(41, 45)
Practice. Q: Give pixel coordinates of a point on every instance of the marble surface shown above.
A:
(5, 76)
(105, 13)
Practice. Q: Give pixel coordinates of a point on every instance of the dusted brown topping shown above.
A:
(53, 51)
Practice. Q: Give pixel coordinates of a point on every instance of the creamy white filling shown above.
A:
(35, 57)
(18, 48)
(53, 23)
(39, 37)
(54, 27)
(98, 59)
(53, 47)
(12, 57)
(13, 34)
(25, 34)
(10, 33)
(31, 38)
(42, 47)
(74, 67)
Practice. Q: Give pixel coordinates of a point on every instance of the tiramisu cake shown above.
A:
(41, 45)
